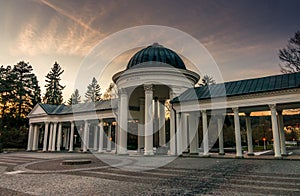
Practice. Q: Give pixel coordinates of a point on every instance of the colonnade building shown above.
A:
(154, 86)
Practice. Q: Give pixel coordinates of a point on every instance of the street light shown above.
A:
(264, 139)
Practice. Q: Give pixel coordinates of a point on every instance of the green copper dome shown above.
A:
(156, 53)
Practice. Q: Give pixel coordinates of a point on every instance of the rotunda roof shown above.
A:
(156, 53)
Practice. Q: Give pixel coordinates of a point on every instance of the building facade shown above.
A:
(156, 82)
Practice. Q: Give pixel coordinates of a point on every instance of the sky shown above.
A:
(243, 37)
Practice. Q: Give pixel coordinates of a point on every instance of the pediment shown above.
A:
(37, 111)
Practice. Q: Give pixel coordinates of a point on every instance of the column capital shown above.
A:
(148, 87)
(235, 109)
(47, 122)
(272, 106)
(122, 91)
(55, 122)
(203, 111)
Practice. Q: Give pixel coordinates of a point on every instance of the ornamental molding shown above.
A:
(148, 88)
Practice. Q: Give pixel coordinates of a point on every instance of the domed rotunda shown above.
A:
(153, 75)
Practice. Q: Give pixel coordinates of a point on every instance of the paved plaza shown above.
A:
(29, 173)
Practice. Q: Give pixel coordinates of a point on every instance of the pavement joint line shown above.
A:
(259, 187)
(14, 172)
(8, 163)
(271, 177)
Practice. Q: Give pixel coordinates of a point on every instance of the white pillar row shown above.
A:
(172, 142)
(205, 133)
(237, 130)
(59, 137)
(85, 136)
(54, 136)
(95, 138)
(179, 148)
(108, 148)
(50, 137)
(281, 133)
(35, 139)
(71, 137)
(123, 118)
(141, 131)
(249, 134)
(276, 139)
(30, 137)
(162, 120)
(46, 136)
(148, 120)
(184, 135)
(193, 132)
(101, 136)
(221, 135)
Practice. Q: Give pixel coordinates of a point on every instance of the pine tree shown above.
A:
(75, 98)
(93, 91)
(26, 89)
(54, 89)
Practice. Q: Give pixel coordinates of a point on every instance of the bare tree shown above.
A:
(207, 80)
(290, 56)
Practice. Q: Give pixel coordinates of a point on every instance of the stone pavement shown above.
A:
(25, 173)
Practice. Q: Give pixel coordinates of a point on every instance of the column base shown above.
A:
(285, 155)
(149, 153)
(205, 155)
(250, 154)
(221, 153)
(70, 151)
(278, 157)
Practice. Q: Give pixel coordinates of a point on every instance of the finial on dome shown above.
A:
(156, 44)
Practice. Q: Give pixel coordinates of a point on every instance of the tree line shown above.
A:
(20, 92)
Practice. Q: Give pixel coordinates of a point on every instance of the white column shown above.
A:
(85, 136)
(101, 136)
(71, 137)
(172, 127)
(148, 120)
(68, 138)
(237, 130)
(249, 135)
(156, 123)
(46, 136)
(58, 144)
(184, 128)
(65, 138)
(50, 137)
(193, 133)
(141, 131)
(281, 133)
(35, 137)
(179, 149)
(162, 128)
(221, 136)
(108, 148)
(95, 137)
(275, 131)
(205, 133)
(54, 136)
(30, 137)
(123, 115)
